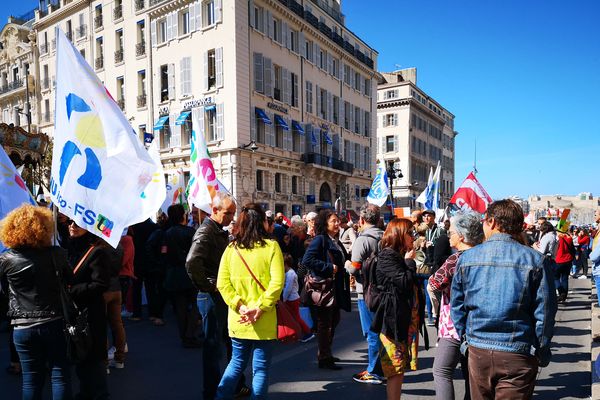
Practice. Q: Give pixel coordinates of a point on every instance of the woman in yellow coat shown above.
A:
(251, 278)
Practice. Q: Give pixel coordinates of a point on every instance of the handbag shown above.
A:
(422, 268)
(319, 291)
(288, 329)
(77, 329)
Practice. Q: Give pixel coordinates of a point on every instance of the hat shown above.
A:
(431, 212)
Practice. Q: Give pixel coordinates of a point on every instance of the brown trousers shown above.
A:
(501, 375)
(113, 313)
(327, 320)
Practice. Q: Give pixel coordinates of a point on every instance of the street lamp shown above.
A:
(27, 113)
(393, 172)
(252, 146)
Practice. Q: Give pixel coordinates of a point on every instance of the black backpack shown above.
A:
(371, 289)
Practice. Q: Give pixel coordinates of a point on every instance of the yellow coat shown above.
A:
(235, 283)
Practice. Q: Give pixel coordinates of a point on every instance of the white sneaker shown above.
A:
(582, 277)
(116, 364)
(111, 353)
(126, 348)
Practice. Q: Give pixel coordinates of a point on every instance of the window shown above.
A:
(279, 135)
(347, 115)
(141, 99)
(367, 91)
(390, 120)
(294, 185)
(208, 13)
(294, 88)
(322, 59)
(164, 82)
(357, 115)
(390, 94)
(294, 41)
(278, 182)
(210, 124)
(309, 97)
(336, 110)
(367, 125)
(260, 131)
(186, 132)
(162, 30)
(347, 72)
(278, 87)
(390, 144)
(185, 69)
(357, 79)
(297, 140)
(277, 34)
(335, 66)
(259, 180)
(259, 19)
(184, 22)
(323, 100)
(309, 51)
(212, 69)
(120, 90)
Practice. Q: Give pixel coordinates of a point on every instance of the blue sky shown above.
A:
(521, 77)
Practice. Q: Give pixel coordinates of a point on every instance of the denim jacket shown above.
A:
(503, 298)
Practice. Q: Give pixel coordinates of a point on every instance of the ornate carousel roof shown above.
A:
(21, 146)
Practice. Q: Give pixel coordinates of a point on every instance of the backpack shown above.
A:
(371, 290)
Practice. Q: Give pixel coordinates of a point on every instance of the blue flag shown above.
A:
(380, 188)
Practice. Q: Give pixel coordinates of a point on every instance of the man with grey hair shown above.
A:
(202, 264)
(365, 244)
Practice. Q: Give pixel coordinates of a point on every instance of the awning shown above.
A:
(182, 117)
(211, 107)
(260, 113)
(281, 122)
(297, 127)
(160, 123)
(327, 137)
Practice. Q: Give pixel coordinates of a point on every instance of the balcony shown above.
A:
(99, 62)
(121, 104)
(138, 5)
(319, 159)
(44, 48)
(9, 87)
(118, 13)
(81, 31)
(325, 29)
(98, 21)
(118, 56)
(311, 19)
(155, 2)
(333, 13)
(140, 49)
(141, 101)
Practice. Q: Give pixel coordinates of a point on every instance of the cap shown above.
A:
(431, 212)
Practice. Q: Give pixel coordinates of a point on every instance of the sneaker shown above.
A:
(582, 277)
(307, 338)
(430, 322)
(116, 364)
(111, 353)
(366, 377)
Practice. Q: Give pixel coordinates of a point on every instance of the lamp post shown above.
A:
(393, 172)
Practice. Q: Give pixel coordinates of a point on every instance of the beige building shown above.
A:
(283, 89)
(582, 206)
(414, 132)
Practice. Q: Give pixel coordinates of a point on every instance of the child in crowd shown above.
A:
(292, 299)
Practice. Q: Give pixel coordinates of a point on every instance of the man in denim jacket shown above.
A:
(503, 305)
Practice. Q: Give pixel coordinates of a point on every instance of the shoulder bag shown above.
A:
(77, 329)
(318, 291)
(288, 329)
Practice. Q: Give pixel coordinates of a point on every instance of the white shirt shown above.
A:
(290, 290)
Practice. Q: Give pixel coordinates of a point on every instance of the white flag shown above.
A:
(13, 192)
(380, 188)
(156, 192)
(175, 190)
(100, 168)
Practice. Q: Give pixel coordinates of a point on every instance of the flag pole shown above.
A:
(475, 159)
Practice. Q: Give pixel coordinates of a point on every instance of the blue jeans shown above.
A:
(42, 348)
(374, 344)
(425, 279)
(214, 321)
(597, 282)
(561, 277)
(261, 352)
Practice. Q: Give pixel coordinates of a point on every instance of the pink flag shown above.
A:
(471, 195)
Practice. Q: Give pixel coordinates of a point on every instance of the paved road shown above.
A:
(158, 368)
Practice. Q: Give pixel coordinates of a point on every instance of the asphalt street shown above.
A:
(157, 367)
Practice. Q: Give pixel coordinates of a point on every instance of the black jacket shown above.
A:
(204, 257)
(34, 287)
(179, 240)
(397, 276)
(89, 284)
(318, 262)
(141, 233)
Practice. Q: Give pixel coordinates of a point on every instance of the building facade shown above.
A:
(582, 207)
(414, 133)
(283, 91)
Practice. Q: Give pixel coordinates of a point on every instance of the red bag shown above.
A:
(288, 329)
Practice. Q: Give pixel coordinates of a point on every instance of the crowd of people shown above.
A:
(489, 286)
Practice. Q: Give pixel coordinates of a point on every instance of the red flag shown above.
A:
(471, 195)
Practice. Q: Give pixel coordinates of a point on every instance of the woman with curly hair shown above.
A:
(30, 267)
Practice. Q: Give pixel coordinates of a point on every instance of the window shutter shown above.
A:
(361, 125)
(182, 76)
(175, 131)
(192, 16)
(253, 124)
(395, 119)
(200, 119)
(329, 107)
(219, 62)
(169, 26)
(198, 14)
(171, 80)
(286, 86)
(205, 78)
(318, 95)
(251, 13)
(302, 44)
(268, 77)
(351, 117)
(220, 122)
(270, 131)
(335, 153)
(269, 22)
(330, 64)
(296, 87)
(258, 73)
(175, 22)
(317, 133)
(329, 151)
(362, 84)
(284, 35)
(352, 159)
(316, 54)
(342, 115)
(218, 11)
(287, 135)
(352, 77)
(153, 33)
(396, 143)
(303, 142)
(308, 138)
(361, 160)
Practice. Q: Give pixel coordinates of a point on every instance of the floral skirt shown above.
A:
(397, 357)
